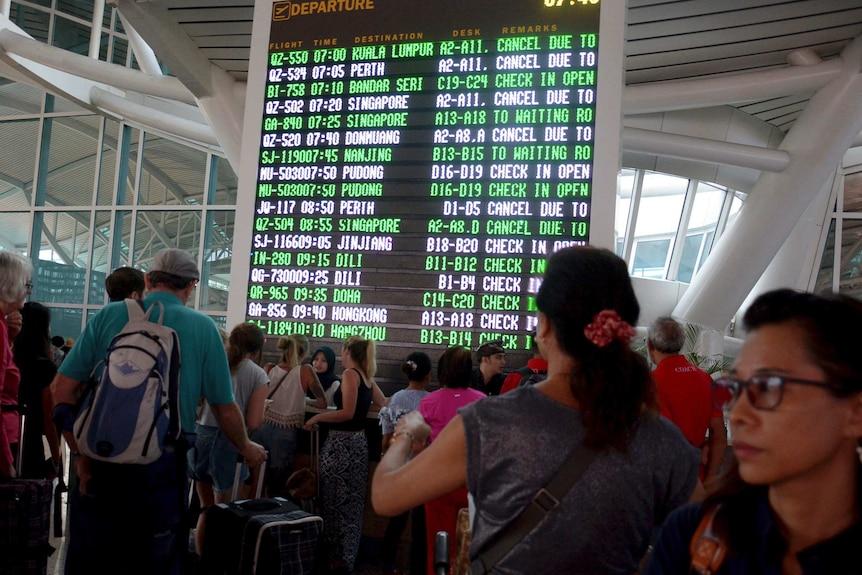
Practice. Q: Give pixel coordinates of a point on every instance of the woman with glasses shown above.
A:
(15, 272)
(597, 403)
(790, 501)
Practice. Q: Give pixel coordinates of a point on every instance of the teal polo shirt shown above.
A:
(204, 369)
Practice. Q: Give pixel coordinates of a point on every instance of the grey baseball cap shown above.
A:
(176, 262)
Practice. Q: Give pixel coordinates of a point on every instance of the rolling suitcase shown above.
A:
(25, 519)
(259, 536)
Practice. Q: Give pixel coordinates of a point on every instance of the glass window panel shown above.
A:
(66, 322)
(215, 271)
(128, 159)
(121, 241)
(119, 51)
(708, 202)
(118, 26)
(107, 171)
(659, 212)
(16, 99)
(72, 162)
(67, 107)
(71, 36)
(651, 258)
(851, 258)
(226, 186)
(107, 15)
(104, 41)
(31, 20)
(661, 204)
(173, 174)
(688, 261)
(853, 192)
(825, 275)
(17, 158)
(707, 248)
(156, 230)
(81, 8)
(63, 252)
(14, 230)
(100, 262)
(625, 189)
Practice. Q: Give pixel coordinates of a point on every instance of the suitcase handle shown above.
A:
(239, 463)
(258, 505)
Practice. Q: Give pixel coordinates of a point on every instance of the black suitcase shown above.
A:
(260, 536)
(25, 518)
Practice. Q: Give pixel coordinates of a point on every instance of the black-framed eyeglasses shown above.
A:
(29, 286)
(764, 392)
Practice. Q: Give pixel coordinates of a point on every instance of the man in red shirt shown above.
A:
(535, 371)
(684, 393)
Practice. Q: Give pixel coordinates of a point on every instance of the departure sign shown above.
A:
(417, 162)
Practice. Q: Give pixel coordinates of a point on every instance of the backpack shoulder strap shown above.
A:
(137, 310)
(707, 548)
(135, 307)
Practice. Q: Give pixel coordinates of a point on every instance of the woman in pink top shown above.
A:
(15, 273)
(438, 408)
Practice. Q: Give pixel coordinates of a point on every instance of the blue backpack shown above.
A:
(131, 413)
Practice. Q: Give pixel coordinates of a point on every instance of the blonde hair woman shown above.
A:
(344, 456)
(290, 379)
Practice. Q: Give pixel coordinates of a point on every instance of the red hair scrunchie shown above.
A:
(607, 325)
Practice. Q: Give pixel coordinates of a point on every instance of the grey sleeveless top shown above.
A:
(515, 445)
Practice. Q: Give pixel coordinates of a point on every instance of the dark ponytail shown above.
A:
(611, 382)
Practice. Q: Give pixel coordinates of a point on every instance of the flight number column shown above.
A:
(296, 191)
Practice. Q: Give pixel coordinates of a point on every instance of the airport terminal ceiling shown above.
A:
(665, 41)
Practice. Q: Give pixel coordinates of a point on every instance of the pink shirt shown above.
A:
(10, 379)
(439, 407)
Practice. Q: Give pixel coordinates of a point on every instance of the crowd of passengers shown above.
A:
(648, 484)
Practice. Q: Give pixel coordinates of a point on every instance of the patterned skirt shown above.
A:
(343, 480)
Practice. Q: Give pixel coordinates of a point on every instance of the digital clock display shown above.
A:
(417, 162)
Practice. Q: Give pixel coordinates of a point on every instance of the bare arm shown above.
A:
(400, 484)
(377, 397)
(349, 389)
(230, 422)
(66, 390)
(717, 447)
(309, 380)
(255, 407)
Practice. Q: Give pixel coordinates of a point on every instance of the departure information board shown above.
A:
(417, 162)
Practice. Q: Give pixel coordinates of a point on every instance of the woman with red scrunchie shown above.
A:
(506, 449)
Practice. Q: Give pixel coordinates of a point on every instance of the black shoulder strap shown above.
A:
(274, 389)
(545, 501)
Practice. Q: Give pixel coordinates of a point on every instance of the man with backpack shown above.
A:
(127, 509)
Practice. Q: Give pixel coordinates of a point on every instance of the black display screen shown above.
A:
(418, 162)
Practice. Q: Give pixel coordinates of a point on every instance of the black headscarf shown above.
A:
(328, 377)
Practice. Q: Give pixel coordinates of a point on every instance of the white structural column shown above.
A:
(816, 144)
(216, 91)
